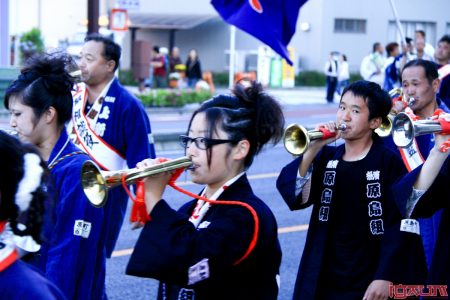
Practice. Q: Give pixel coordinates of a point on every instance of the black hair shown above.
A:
(156, 49)
(45, 82)
(445, 38)
(421, 32)
(408, 40)
(249, 114)
(430, 68)
(111, 50)
(391, 47)
(12, 153)
(375, 46)
(378, 100)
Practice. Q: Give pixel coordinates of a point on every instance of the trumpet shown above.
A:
(405, 129)
(385, 128)
(96, 183)
(297, 138)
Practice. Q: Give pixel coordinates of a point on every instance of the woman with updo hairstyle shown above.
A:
(40, 104)
(22, 207)
(225, 244)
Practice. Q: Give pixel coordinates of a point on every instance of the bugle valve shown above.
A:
(405, 128)
(96, 182)
(297, 138)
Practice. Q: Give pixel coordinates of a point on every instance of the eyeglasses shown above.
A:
(202, 143)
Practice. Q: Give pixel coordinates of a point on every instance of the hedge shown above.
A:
(172, 98)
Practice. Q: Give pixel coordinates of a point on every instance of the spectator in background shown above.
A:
(331, 71)
(408, 52)
(392, 71)
(428, 48)
(174, 59)
(344, 74)
(158, 64)
(420, 50)
(193, 68)
(442, 59)
(372, 66)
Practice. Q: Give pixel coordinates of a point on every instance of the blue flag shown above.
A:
(273, 22)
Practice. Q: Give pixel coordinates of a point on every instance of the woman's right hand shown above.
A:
(154, 184)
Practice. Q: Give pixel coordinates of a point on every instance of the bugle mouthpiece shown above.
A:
(342, 127)
(411, 101)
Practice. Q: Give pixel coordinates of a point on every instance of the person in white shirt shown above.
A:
(344, 74)
(372, 66)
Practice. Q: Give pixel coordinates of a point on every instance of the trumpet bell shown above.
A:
(96, 183)
(405, 129)
(296, 139)
(385, 127)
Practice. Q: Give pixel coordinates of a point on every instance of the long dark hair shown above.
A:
(249, 114)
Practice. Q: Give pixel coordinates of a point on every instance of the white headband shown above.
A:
(30, 182)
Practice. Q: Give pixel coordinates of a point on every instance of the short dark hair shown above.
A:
(421, 32)
(378, 100)
(111, 50)
(156, 49)
(429, 67)
(445, 38)
(390, 47)
(375, 46)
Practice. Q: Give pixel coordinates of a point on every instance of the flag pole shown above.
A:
(397, 20)
(232, 54)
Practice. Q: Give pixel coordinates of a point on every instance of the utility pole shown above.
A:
(93, 14)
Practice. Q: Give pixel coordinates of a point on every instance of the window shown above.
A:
(409, 27)
(349, 26)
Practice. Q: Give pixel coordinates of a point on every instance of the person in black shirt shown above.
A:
(354, 248)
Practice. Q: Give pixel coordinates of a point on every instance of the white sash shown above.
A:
(444, 71)
(85, 137)
(411, 156)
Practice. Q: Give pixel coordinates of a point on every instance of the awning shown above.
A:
(167, 21)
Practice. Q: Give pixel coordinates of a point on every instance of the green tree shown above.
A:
(31, 42)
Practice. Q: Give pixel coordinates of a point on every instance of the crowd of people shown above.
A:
(167, 70)
(378, 218)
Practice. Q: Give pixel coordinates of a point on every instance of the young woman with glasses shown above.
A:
(208, 250)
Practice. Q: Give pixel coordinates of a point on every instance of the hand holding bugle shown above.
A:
(297, 138)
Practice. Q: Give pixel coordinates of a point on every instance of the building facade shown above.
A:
(347, 26)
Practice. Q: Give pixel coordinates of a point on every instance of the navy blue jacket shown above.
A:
(169, 245)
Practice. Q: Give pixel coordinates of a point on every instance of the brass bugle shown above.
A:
(96, 182)
(297, 138)
(385, 128)
(405, 129)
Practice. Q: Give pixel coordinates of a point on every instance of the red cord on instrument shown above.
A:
(139, 211)
(232, 202)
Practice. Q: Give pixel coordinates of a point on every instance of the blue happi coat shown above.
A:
(20, 281)
(126, 129)
(73, 256)
(428, 226)
(435, 199)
